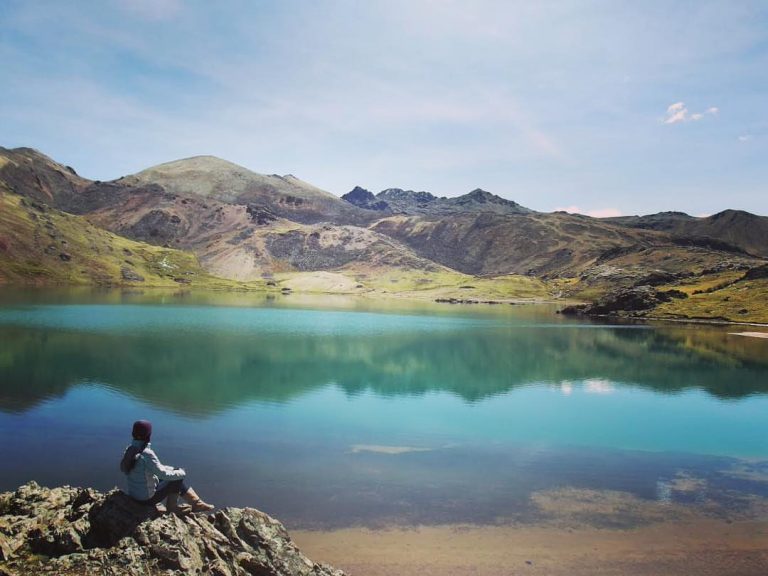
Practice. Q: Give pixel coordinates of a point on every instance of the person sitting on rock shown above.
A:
(149, 481)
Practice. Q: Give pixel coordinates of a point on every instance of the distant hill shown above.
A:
(735, 227)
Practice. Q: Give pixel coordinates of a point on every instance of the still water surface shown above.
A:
(352, 413)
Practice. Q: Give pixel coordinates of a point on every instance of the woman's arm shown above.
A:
(160, 470)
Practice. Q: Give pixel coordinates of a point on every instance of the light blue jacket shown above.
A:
(143, 479)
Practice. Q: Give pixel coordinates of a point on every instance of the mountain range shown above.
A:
(206, 222)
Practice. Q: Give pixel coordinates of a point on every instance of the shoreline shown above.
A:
(373, 297)
(750, 334)
(702, 546)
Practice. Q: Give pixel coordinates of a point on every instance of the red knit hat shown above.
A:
(142, 430)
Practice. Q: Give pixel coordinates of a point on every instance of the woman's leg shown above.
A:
(197, 504)
(165, 488)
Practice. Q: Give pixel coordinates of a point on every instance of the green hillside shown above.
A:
(43, 246)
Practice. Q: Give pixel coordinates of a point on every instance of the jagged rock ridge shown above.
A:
(410, 202)
(72, 531)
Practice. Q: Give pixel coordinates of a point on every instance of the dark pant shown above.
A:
(165, 488)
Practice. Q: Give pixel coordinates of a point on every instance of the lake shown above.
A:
(333, 413)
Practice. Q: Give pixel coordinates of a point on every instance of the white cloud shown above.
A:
(745, 137)
(678, 112)
(594, 213)
(598, 386)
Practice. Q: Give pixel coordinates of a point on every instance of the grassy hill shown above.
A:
(43, 246)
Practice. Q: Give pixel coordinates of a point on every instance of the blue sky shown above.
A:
(603, 107)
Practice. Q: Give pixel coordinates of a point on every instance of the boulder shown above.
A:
(130, 275)
(69, 530)
(757, 273)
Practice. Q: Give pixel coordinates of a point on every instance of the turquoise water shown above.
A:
(352, 414)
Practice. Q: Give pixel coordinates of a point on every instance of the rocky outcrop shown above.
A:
(363, 198)
(757, 273)
(626, 302)
(67, 531)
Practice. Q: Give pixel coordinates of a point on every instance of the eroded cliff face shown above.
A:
(67, 531)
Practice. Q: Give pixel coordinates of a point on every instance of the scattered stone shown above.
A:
(465, 301)
(131, 275)
(65, 257)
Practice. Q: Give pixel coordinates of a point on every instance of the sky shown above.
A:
(599, 107)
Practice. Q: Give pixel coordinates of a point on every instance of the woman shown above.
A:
(149, 481)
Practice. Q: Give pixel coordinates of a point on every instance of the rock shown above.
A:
(130, 275)
(625, 300)
(756, 273)
(678, 294)
(65, 257)
(574, 310)
(81, 531)
(365, 199)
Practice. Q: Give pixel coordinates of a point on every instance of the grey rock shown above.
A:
(130, 275)
(69, 530)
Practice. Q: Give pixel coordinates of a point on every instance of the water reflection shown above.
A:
(205, 370)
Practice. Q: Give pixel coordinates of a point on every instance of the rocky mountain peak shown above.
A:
(363, 198)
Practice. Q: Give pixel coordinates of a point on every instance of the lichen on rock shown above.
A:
(68, 531)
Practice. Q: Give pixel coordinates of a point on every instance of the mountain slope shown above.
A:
(32, 174)
(41, 245)
(735, 227)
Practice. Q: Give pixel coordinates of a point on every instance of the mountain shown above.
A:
(734, 227)
(283, 196)
(408, 202)
(365, 199)
(544, 245)
(32, 174)
(241, 226)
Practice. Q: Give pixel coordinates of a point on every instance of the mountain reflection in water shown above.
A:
(207, 370)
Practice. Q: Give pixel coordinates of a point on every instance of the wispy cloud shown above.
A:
(745, 137)
(595, 213)
(678, 112)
